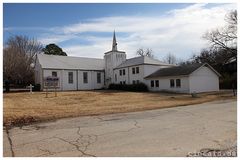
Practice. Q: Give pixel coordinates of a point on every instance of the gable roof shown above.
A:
(68, 62)
(141, 60)
(179, 70)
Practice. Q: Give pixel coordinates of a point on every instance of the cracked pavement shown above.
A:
(162, 132)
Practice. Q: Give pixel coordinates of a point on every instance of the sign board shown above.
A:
(51, 82)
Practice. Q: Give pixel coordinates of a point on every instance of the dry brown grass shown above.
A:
(25, 107)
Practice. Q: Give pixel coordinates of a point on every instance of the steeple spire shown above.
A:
(114, 45)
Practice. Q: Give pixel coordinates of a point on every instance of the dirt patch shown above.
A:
(25, 108)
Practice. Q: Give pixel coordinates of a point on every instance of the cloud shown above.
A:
(55, 38)
(178, 31)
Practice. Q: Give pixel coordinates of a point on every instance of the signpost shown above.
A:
(51, 82)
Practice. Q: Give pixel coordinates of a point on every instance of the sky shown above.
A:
(86, 30)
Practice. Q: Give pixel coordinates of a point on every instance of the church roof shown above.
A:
(68, 62)
(183, 70)
(142, 60)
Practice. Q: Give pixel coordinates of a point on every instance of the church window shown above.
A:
(120, 72)
(85, 77)
(137, 69)
(133, 81)
(152, 83)
(178, 82)
(70, 77)
(124, 82)
(123, 71)
(137, 81)
(172, 84)
(98, 77)
(133, 70)
(54, 74)
(157, 83)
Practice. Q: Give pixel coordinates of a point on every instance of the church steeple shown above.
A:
(114, 45)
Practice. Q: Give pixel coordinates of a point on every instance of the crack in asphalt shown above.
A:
(86, 142)
(48, 152)
(81, 144)
(83, 141)
(10, 142)
(136, 126)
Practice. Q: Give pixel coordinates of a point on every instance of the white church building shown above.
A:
(78, 73)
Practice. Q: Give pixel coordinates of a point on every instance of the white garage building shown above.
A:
(78, 73)
(185, 79)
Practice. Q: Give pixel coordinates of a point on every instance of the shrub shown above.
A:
(37, 87)
(140, 87)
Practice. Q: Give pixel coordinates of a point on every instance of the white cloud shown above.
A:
(178, 31)
(53, 38)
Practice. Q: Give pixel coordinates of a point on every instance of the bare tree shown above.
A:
(225, 38)
(170, 59)
(19, 53)
(145, 52)
(25, 45)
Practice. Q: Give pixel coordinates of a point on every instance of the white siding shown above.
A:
(77, 79)
(92, 80)
(112, 60)
(65, 84)
(38, 73)
(129, 77)
(164, 84)
(122, 77)
(136, 76)
(204, 80)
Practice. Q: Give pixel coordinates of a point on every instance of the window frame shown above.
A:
(85, 77)
(172, 83)
(53, 74)
(157, 83)
(99, 79)
(178, 85)
(70, 77)
(152, 83)
(133, 70)
(137, 70)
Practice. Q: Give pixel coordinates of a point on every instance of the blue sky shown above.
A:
(86, 29)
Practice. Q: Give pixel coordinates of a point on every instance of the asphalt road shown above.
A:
(177, 131)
